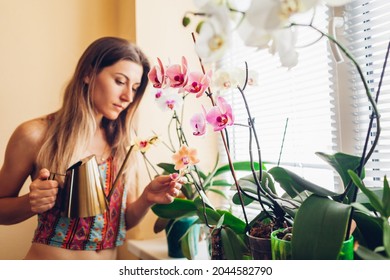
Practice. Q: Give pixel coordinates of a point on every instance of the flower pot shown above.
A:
(260, 247)
(174, 232)
(281, 249)
(346, 252)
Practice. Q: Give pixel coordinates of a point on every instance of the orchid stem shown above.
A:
(230, 161)
(284, 136)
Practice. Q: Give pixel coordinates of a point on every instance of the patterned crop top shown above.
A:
(95, 233)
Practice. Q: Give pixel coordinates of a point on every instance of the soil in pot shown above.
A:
(259, 240)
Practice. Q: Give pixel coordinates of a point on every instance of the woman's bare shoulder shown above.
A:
(20, 155)
(31, 132)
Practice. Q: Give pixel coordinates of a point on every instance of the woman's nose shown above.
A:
(128, 95)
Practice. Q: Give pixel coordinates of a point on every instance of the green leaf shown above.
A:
(249, 194)
(189, 242)
(220, 222)
(212, 215)
(233, 222)
(160, 224)
(386, 197)
(320, 227)
(367, 254)
(266, 183)
(238, 166)
(341, 163)
(368, 230)
(201, 173)
(219, 183)
(233, 246)
(361, 208)
(294, 184)
(375, 201)
(245, 199)
(386, 236)
(363, 199)
(167, 167)
(250, 191)
(178, 208)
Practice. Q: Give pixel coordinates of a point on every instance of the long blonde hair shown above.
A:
(73, 124)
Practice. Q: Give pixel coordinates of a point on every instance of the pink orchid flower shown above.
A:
(198, 123)
(177, 74)
(221, 115)
(198, 82)
(157, 75)
(185, 157)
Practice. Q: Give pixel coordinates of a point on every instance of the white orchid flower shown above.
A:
(169, 99)
(252, 36)
(224, 79)
(229, 78)
(212, 42)
(253, 78)
(214, 35)
(274, 14)
(283, 43)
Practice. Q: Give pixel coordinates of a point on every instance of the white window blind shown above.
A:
(368, 34)
(303, 95)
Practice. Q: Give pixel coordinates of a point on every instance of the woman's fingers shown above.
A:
(43, 192)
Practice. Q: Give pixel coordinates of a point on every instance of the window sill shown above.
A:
(156, 249)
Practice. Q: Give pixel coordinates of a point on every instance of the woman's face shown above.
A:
(115, 88)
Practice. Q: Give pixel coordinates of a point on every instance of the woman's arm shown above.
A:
(161, 190)
(19, 162)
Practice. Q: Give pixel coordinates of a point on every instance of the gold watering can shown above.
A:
(82, 194)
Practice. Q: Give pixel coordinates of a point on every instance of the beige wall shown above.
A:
(41, 41)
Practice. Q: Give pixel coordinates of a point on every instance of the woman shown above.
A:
(96, 118)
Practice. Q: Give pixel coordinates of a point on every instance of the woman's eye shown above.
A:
(135, 89)
(119, 82)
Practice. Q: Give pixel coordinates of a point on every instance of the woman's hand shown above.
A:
(162, 190)
(43, 192)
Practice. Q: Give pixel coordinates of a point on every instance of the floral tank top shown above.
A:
(103, 231)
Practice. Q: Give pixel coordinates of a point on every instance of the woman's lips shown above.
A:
(119, 107)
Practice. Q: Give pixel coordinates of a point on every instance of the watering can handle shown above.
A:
(120, 172)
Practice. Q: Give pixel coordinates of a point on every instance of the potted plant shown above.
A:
(320, 199)
(321, 218)
(173, 84)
